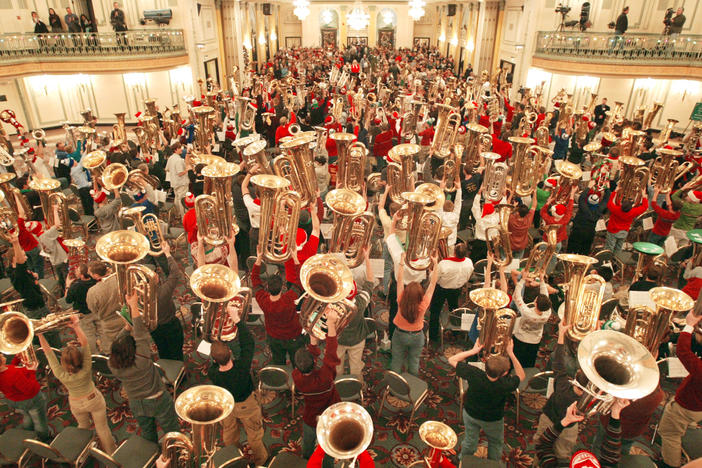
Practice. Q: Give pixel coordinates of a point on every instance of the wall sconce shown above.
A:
(41, 84)
(442, 37)
(536, 76)
(327, 17)
(247, 42)
(454, 41)
(135, 80)
(470, 45)
(262, 38)
(182, 78)
(274, 36)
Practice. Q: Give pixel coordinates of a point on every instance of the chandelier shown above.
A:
(302, 9)
(416, 9)
(357, 18)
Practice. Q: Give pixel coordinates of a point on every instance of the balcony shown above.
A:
(647, 55)
(140, 50)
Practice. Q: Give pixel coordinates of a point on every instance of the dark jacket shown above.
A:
(40, 27)
(676, 24)
(588, 215)
(622, 24)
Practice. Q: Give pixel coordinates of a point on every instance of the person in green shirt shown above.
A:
(689, 214)
(543, 192)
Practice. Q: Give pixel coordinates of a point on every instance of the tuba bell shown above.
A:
(114, 176)
(633, 179)
(344, 430)
(119, 130)
(478, 140)
(352, 227)
(447, 123)
(664, 169)
(327, 282)
(94, 162)
(490, 301)
(45, 189)
(569, 177)
(529, 167)
(540, 255)
(280, 214)
(214, 208)
(296, 164)
(617, 366)
(17, 332)
(147, 225)
(215, 285)
(583, 295)
(255, 154)
(15, 199)
(498, 241)
(424, 230)
(203, 127)
(400, 172)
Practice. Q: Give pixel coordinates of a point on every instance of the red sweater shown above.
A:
(689, 394)
(318, 387)
(18, 383)
(280, 316)
(427, 136)
(665, 220)
(692, 288)
(26, 240)
(292, 271)
(190, 225)
(618, 219)
(636, 416)
(548, 218)
(315, 461)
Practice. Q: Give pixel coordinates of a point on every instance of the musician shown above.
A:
(654, 273)
(484, 400)
(316, 384)
(451, 212)
(81, 179)
(689, 213)
(190, 218)
(103, 302)
(168, 334)
(529, 326)
(107, 211)
(591, 207)
(622, 214)
(282, 129)
(283, 328)
(558, 214)
(52, 248)
(130, 361)
(561, 138)
(253, 205)
(177, 175)
(305, 244)
(693, 275)
(520, 220)
(76, 292)
(601, 112)
(686, 407)
(235, 376)
(22, 392)
(140, 199)
(74, 371)
(485, 217)
(29, 243)
(321, 170)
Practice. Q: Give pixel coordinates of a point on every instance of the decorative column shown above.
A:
(343, 27)
(479, 38)
(260, 32)
(372, 26)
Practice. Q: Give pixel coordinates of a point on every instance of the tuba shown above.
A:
(344, 430)
(8, 219)
(617, 366)
(633, 179)
(280, 214)
(352, 167)
(583, 295)
(498, 241)
(147, 225)
(296, 164)
(94, 162)
(45, 189)
(119, 130)
(327, 282)
(447, 123)
(540, 255)
(150, 104)
(203, 407)
(58, 206)
(352, 226)
(651, 114)
(570, 175)
(216, 285)
(203, 127)
(651, 326)
(214, 208)
(478, 140)
(15, 199)
(87, 115)
(489, 302)
(495, 177)
(17, 332)
(400, 172)
(451, 168)
(255, 154)
(529, 163)
(123, 249)
(424, 229)
(664, 169)
(114, 176)
(665, 134)
(177, 448)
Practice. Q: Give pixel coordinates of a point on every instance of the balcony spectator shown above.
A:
(676, 24)
(86, 25)
(601, 112)
(622, 22)
(72, 22)
(39, 25)
(55, 21)
(117, 20)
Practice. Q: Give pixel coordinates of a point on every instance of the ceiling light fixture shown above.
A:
(302, 9)
(357, 18)
(416, 9)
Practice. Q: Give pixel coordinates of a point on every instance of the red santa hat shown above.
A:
(100, 196)
(230, 127)
(138, 114)
(558, 210)
(550, 183)
(354, 291)
(197, 103)
(488, 209)
(189, 200)
(586, 118)
(33, 226)
(328, 119)
(462, 130)
(695, 195)
(395, 115)
(376, 121)
(594, 198)
(300, 238)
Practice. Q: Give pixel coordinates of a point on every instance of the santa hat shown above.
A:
(328, 119)
(230, 127)
(586, 118)
(300, 238)
(197, 103)
(462, 130)
(695, 195)
(488, 209)
(99, 197)
(376, 121)
(558, 210)
(189, 200)
(354, 291)
(138, 114)
(550, 183)
(395, 115)
(139, 196)
(593, 198)
(33, 226)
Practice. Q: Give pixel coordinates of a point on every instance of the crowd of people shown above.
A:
(295, 89)
(73, 24)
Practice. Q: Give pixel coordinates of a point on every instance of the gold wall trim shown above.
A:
(631, 69)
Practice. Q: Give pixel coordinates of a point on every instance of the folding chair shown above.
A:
(71, 446)
(135, 452)
(406, 387)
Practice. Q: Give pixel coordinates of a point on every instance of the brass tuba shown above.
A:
(665, 134)
(215, 285)
(148, 225)
(633, 179)
(498, 241)
(400, 172)
(203, 407)
(327, 282)
(352, 168)
(94, 162)
(255, 154)
(48, 198)
(540, 255)
(569, 177)
(203, 127)
(296, 164)
(114, 176)
(17, 332)
(177, 448)
(495, 177)
(651, 326)
(651, 114)
(119, 130)
(478, 140)
(617, 366)
(489, 302)
(352, 226)
(15, 199)
(280, 214)
(529, 169)
(424, 230)
(123, 249)
(664, 169)
(344, 430)
(583, 295)
(447, 123)
(214, 208)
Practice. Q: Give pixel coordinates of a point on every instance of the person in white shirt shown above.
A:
(253, 206)
(485, 216)
(454, 273)
(386, 223)
(529, 326)
(177, 175)
(450, 216)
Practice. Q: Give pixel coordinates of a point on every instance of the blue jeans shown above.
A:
(34, 414)
(150, 411)
(494, 430)
(614, 242)
(406, 348)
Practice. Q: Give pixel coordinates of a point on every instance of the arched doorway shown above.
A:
(329, 25)
(387, 22)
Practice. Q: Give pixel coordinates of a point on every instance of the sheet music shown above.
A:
(467, 320)
(220, 136)
(641, 298)
(600, 226)
(204, 347)
(326, 228)
(670, 246)
(676, 370)
(255, 308)
(215, 148)
(377, 267)
(549, 387)
(647, 224)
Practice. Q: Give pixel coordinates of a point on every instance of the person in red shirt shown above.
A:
(306, 246)
(282, 130)
(666, 217)
(279, 310)
(686, 407)
(189, 219)
(620, 218)
(30, 244)
(558, 214)
(317, 459)
(20, 388)
(317, 384)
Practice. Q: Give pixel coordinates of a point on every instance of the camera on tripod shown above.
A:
(668, 16)
(563, 10)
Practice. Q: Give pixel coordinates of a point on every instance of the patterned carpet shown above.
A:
(396, 442)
